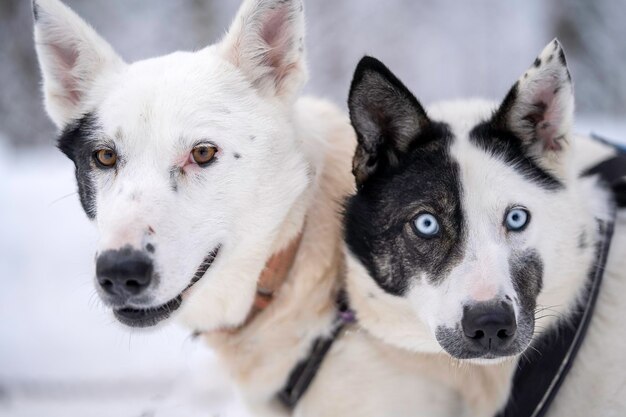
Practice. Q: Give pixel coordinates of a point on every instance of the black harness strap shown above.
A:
(304, 372)
(541, 371)
(613, 173)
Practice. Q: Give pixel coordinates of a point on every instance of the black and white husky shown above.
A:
(472, 233)
(215, 190)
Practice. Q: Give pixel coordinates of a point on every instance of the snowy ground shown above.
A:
(61, 353)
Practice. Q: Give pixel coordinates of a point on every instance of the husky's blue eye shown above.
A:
(517, 219)
(426, 225)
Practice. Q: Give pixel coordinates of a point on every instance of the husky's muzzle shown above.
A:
(126, 279)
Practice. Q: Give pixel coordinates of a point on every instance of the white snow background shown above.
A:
(61, 353)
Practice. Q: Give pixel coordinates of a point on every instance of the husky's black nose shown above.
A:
(123, 273)
(491, 325)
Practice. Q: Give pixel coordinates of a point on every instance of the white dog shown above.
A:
(473, 242)
(216, 192)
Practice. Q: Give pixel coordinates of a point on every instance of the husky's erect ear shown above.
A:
(384, 114)
(539, 108)
(72, 56)
(266, 42)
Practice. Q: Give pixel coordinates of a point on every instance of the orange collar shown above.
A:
(271, 279)
(275, 274)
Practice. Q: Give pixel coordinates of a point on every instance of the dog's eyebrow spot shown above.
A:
(237, 155)
(582, 240)
(150, 247)
(252, 138)
(119, 135)
(150, 230)
(174, 172)
(223, 110)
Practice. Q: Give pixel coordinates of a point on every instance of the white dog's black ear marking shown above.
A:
(539, 108)
(35, 10)
(385, 115)
(72, 57)
(266, 42)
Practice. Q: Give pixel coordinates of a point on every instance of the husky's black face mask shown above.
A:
(457, 233)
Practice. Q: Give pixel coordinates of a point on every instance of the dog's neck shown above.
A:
(271, 280)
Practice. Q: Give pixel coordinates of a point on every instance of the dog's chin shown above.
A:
(147, 317)
(151, 316)
(482, 358)
(487, 360)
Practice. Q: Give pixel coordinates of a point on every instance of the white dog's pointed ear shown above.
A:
(72, 56)
(266, 42)
(386, 116)
(539, 108)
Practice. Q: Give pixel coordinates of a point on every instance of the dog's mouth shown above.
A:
(146, 317)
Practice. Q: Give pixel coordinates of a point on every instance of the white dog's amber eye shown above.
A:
(426, 225)
(203, 154)
(106, 157)
(517, 219)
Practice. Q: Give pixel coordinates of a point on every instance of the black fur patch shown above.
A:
(526, 272)
(175, 172)
(378, 219)
(35, 10)
(582, 240)
(76, 142)
(504, 144)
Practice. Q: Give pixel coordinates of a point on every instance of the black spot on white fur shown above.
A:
(526, 271)
(76, 141)
(175, 173)
(35, 10)
(582, 240)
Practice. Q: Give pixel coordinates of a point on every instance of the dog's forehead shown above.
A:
(461, 116)
(177, 95)
(487, 179)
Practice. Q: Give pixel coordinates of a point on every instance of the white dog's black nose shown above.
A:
(491, 325)
(123, 273)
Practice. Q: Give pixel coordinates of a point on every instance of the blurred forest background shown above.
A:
(61, 352)
(441, 49)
